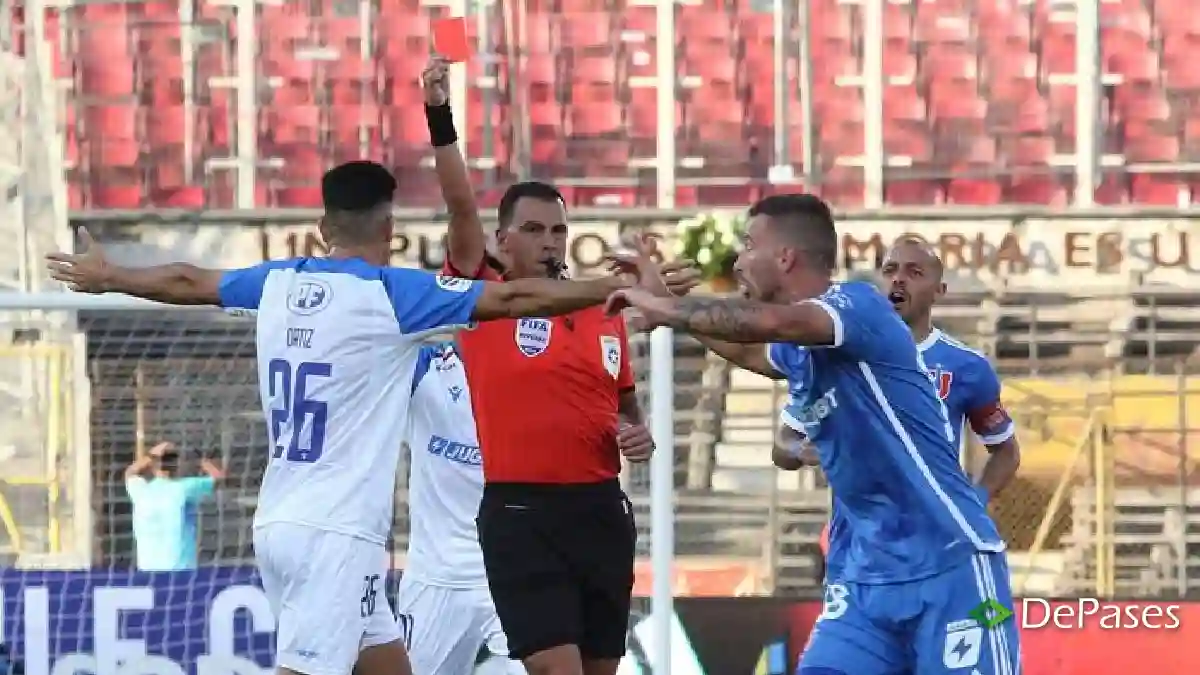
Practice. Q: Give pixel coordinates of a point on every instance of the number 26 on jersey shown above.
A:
(295, 411)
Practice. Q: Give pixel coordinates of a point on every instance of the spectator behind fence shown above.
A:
(164, 507)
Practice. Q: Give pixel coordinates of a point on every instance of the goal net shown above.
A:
(96, 398)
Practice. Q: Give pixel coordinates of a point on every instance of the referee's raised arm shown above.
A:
(467, 242)
(554, 407)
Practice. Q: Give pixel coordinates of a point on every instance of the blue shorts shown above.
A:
(917, 628)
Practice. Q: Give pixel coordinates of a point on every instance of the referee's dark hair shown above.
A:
(358, 202)
(807, 220)
(531, 189)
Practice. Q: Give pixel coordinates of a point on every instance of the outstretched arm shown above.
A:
(174, 283)
(752, 357)
(543, 297)
(466, 241)
(743, 321)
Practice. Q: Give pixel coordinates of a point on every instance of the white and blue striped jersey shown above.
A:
(885, 443)
(446, 480)
(338, 342)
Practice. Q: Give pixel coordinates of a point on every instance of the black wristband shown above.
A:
(441, 125)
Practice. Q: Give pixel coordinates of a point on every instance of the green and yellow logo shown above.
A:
(990, 614)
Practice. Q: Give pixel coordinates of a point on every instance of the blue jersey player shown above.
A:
(923, 557)
(965, 380)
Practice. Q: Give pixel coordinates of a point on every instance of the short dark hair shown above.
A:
(807, 219)
(170, 460)
(356, 196)
(531, 189)
(357, 186)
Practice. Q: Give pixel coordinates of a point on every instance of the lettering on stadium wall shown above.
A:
(1009, 252)
(1095, 251)
(586, 251)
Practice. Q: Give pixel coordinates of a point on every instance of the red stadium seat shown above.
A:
(586, 32)
(598, 119)
(962, 75)
(701, 24)
(289, 125)
(116, 196)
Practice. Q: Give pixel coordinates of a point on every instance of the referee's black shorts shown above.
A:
(559, 564)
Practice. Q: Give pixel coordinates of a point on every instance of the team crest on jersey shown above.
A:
(533, 336)
(309, 297)
(942, 379)
(446, 359)
(453, 284)
(610, 351)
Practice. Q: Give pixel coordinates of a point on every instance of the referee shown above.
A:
(554, 403)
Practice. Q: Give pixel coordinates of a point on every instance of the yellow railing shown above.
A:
(42, 435)
(1090, 444)
(1088, 440)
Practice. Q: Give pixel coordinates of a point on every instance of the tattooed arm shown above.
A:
(742, 321)
(752, 357)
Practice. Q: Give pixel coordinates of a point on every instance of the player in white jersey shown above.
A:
(444, 604)
(338, 340)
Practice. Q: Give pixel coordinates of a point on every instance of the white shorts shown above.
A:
(327, 592)
(445, 629)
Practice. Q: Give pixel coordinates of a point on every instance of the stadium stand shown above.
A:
(979, 110)
(979, 102)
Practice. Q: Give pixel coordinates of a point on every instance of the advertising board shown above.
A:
(1100, 252)
(211, 621)
(215, 621)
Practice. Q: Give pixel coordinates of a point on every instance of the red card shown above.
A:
(450, 39)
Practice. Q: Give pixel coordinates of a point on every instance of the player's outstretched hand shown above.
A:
(435, 79)
(653, 309)
(635, 442)
(680, 276)
(638, 259)
(85, 272)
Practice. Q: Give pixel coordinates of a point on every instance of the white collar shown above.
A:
(930, 340)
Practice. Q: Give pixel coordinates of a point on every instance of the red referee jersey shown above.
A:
(544, 393)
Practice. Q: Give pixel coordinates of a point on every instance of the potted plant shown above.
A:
(712, 241)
